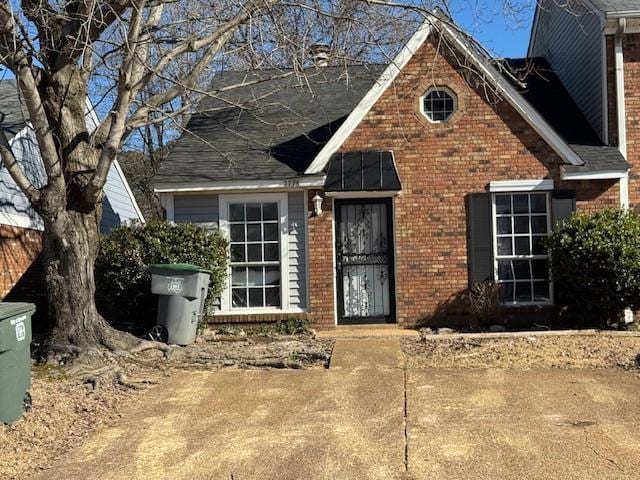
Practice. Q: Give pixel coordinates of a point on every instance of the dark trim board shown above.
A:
(353, 320)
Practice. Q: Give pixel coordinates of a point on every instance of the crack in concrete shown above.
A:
(611, 461)
(405, 420)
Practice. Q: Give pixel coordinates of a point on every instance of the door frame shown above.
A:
(340, 318)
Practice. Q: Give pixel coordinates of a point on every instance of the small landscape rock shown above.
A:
(445, 331)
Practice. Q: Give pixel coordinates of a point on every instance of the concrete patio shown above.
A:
(367, 417)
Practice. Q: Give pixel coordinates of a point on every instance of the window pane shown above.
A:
(237, 252)
(521, 269)
(521, 224)
(539, 203)
(236, 212)
(255, 297)
(270, 211)
(503, 204)
(253, 232)
(271, 252)
(504, 246)
(256, 278)
(539, 269)
(523, 292)
(504, 270)
(254, 252)
(271, 231)
(541, 291)
(522, 246)
(539, 245)
(539, 224)
(237, 233)
(254, 211)
(238, 297)
(238, 276)
(272, 275)
(521, 203)
(504, 225)
(506, 292)
(272, 297)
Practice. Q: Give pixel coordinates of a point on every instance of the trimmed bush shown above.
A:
(123, 284)
(595, 264)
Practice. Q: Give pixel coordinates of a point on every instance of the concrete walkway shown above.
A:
(368, 418)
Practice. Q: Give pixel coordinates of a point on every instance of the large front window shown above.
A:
(254, 232)
(521, 226)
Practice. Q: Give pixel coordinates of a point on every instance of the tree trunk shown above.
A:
(70, 250)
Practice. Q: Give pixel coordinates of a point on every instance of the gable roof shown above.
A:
(542, 88)
(269, 127)
(481, 61)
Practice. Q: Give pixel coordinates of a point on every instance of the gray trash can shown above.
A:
(182, 288)
(15, 359)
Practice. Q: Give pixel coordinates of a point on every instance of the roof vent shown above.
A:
(320, 54)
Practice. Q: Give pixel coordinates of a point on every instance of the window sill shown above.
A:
(526, 304)
(260, 311)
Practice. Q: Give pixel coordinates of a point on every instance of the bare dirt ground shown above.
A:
(548, 351)
(66, 409)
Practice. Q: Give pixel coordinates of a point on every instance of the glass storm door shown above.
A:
(364, 261)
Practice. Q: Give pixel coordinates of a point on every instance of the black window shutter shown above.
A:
(480, 238)
(563, 204)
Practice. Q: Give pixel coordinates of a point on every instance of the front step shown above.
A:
(367, 331)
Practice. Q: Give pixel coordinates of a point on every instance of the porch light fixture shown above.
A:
(317, 205)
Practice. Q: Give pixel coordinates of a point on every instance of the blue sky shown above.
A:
(503, 31)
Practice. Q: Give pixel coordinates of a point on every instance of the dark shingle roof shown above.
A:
(617, 6)
(12, 118)
(272, 127)
(545, 92)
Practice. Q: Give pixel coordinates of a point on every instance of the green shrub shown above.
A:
(596, 264)
(123, 284)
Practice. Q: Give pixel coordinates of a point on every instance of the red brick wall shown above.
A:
(19, 247)
(439, 165)
(631, 53)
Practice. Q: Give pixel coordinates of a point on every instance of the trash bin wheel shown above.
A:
(159, 334)
(27, 401)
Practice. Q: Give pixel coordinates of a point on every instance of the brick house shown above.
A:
(21, 275)
(381, 193)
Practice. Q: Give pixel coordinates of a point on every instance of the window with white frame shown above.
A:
(254, 234)
(522, 224)
(438, 104)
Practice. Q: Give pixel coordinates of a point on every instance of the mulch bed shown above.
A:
(527, 352)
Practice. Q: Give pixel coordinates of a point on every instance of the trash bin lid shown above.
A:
(178, 266)
(10, 309)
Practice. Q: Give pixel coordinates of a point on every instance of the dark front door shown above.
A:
(364, 261)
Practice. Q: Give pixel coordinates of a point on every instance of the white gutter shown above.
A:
(620, 109)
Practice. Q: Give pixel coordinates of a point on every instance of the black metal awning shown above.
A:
(361, 171)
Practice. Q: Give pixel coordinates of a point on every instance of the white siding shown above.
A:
(568, 35)
(297, 251)
(118, 206)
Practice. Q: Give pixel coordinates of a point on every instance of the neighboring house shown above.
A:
(20, 225)
(435, 172)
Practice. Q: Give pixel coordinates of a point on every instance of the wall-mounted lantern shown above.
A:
(317, 205)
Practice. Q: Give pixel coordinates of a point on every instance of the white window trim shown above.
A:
(510, 186)
(450, 92)
(282, 200)
(494, 241)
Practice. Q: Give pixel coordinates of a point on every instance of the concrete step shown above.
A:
(367, 331)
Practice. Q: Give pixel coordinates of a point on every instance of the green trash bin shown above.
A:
(15, 359)
(182, 291)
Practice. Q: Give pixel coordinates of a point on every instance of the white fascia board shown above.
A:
(364, 194)
(384, 81)
(286, 184)
(517, 101)
(21, 221)
(530, 115)
(604, 175)
(520, 185)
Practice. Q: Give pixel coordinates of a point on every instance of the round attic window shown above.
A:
(438, 104)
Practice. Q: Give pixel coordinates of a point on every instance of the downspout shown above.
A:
(622, 126)
(620, 109)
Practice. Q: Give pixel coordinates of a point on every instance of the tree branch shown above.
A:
(16, 171)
